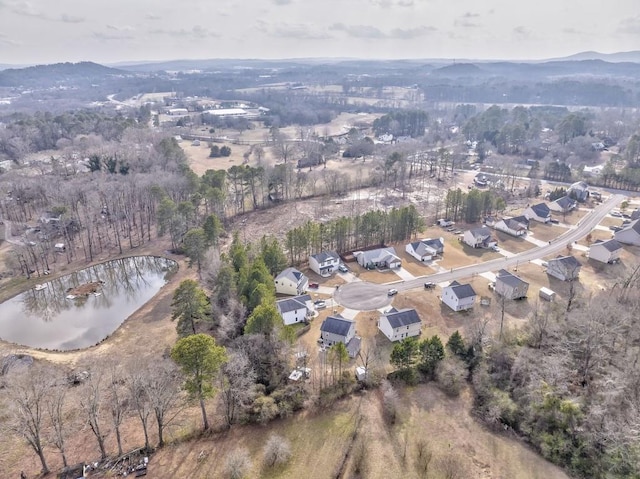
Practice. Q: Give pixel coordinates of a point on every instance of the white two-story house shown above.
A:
(292, 282)
(458, 297)
(400, 324)
(295, 310)
(324, 263)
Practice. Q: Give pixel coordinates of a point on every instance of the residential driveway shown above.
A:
(363, 296)
(404, 274)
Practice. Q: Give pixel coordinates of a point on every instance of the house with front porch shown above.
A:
(325, 263)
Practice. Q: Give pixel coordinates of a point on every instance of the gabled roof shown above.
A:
(292, 304)
(461, 291)
(436, 243)
(517, 223)
(336, 325)
(403, 317)
(634, 225)
(579, 185)
(379, 255)
(610, 245)
(292, 274)
(541, 210)
(509, 279)
(565, 202)
(427, 246)
(325, 256)
(569, 262)
(481, 232)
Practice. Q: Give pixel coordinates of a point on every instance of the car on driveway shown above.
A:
(343, 269)
(392, 292)
(320, 304)
(616, 214)
(314, 285)
(429, 285)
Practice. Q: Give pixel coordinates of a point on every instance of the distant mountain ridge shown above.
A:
(617, 57)
(55, 73)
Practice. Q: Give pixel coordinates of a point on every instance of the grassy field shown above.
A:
(319, 441)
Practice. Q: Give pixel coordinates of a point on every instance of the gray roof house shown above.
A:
(563, 205)
(605, 251)
(579, 190)
(479, 238)
(458, 296)
(295, 310)
(516, 226)
(540, 213)
(378, 258)
(630, 234)
(324, 263)
(400, 324)
(336, 329)
(565, 268)
(292, 282)
(426, 249)
(510, 286)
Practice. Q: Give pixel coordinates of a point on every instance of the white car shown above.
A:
(392, 292)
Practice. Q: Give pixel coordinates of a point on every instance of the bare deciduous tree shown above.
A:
(27, 395)
(163, 392)
(237, 388)
(118, 402)
(59, 420)
(91, 404)
(238, 464)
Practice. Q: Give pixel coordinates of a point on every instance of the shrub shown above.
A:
(238, 464)
(276, 451)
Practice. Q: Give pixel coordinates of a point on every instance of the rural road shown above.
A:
(365, 296)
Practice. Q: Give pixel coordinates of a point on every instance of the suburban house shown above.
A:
(563, 205)
(635, 214)
(579, 191)
(630, 234)
(426, 249)
(324, 263)
(292, 282)
(378, 258)
(510, 286)
(458, 296)
(479, 238)
(565, 268)
(540, 213)
(516, 226)
(605, 251)
(295, 310)
(400, 324)
(336, 329)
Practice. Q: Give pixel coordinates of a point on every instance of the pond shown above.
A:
(85, 307)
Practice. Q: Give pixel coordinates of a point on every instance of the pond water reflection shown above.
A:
(47, 317)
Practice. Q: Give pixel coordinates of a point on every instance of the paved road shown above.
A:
(368, 296)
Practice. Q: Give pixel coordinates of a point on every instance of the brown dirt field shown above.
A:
(596, 235)
(457, 254)
(573, 217)
(546, 232)
(610, 221)
(511, 243)
(373, 276)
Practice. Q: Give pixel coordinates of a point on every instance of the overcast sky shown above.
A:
(48, 31)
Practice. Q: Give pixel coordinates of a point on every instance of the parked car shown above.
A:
(616, 214)
(554, 221)
(429, 285)
(320, 304)
(392, 292)
(343, 269)
(314, 285)
(615, 229)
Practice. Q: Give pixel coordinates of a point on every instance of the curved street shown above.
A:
(364, 296)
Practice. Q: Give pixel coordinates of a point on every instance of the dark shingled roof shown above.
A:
(481, 232)
(336, 325)
(541, 210)
(404, 317)
(509, 279)
(565, 202)
(610, 245)
(291, 304)
(462, 290)
(569, 261)
(325, 255)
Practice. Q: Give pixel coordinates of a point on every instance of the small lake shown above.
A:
(50, 317)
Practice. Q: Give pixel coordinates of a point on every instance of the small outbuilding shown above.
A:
(547, 294)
